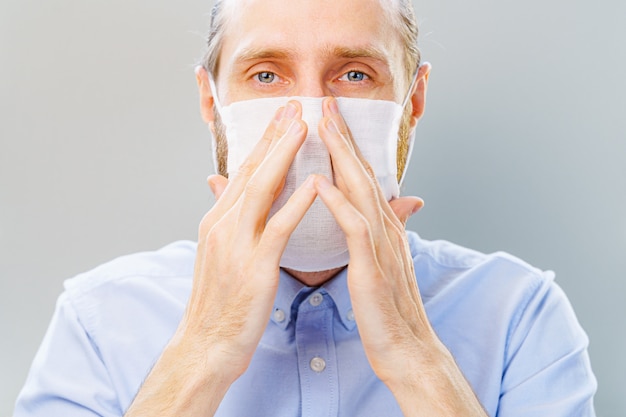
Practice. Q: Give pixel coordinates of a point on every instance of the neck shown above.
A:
(314, 279)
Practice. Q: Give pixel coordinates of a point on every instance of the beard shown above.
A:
(404, 142)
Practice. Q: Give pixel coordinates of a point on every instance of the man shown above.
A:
(243, 329)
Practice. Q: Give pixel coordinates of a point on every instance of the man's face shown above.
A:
(310, 48)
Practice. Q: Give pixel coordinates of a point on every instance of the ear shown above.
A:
(206, 95)
(418, 95)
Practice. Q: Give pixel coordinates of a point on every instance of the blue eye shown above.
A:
(355, 76)
(265, 77)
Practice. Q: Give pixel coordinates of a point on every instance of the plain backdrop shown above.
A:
(521, 149)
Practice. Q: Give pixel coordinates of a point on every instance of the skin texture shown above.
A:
(310, 54)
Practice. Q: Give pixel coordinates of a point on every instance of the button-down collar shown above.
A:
(338, 289)
(290, 288)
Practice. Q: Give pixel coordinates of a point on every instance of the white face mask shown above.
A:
(318, 243)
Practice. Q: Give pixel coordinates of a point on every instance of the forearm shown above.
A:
(185, 381)
(433, 385)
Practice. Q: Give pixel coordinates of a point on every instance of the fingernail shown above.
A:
(332, 106)
(417, 207)
(290, 111)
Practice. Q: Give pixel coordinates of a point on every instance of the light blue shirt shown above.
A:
(510, 328)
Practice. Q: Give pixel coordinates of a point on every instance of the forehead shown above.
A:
(307, 28)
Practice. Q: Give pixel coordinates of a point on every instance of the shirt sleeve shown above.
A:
(67, 377)
(547, 371)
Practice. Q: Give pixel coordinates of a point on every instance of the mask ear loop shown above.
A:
(218, 106)
(216, 100)
(412, 138)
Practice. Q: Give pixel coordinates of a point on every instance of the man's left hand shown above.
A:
(401, 345)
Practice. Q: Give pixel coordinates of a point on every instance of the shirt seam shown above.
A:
(84, 325)
(530, 294)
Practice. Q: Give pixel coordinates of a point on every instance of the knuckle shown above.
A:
(212, 238)
(267, 139)
(205, 224)
(217, 234)
(279, 131)
(276, 228)
(247, 168)
(252, 190)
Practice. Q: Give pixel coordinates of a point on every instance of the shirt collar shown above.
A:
(338, 290)
(290, 290)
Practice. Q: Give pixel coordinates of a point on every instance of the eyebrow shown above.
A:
(359, 52)
(254, 54)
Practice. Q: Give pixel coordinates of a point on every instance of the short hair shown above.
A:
(400, 13)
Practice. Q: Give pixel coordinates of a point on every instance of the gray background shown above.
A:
(521, 149)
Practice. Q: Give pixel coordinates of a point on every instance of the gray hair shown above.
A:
(400, 13)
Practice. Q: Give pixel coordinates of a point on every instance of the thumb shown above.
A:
(218, 184)
(405, 207)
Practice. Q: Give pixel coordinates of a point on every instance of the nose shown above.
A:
(312, 85)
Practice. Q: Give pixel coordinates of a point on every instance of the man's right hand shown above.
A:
(235, 278)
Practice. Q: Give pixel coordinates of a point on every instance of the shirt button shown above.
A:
(316, 299)
(318, 364)
(279, 315)
(350, 315)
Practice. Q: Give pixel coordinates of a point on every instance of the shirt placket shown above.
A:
(317, 360)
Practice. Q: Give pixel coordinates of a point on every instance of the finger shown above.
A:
(350, 179)
(386, 228)
(260, 191)
(389, 271)
(279, 126)
(282, 224)
(248, 167)
(292, 111)
(218, 184)
(354, 173)
(226, 197)
(352, 176)
(370, 211)
(257, 195)
(405, 207)
(331, 109)
(354, 225)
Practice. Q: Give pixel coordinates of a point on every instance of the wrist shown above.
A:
(203, 360)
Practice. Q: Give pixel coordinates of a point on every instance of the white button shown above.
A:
(350, 315)
(318, 364)
(279, 315)
(316, 299)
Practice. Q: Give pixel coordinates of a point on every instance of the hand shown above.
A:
(237, 264)
(235, 278)
(399, 342)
